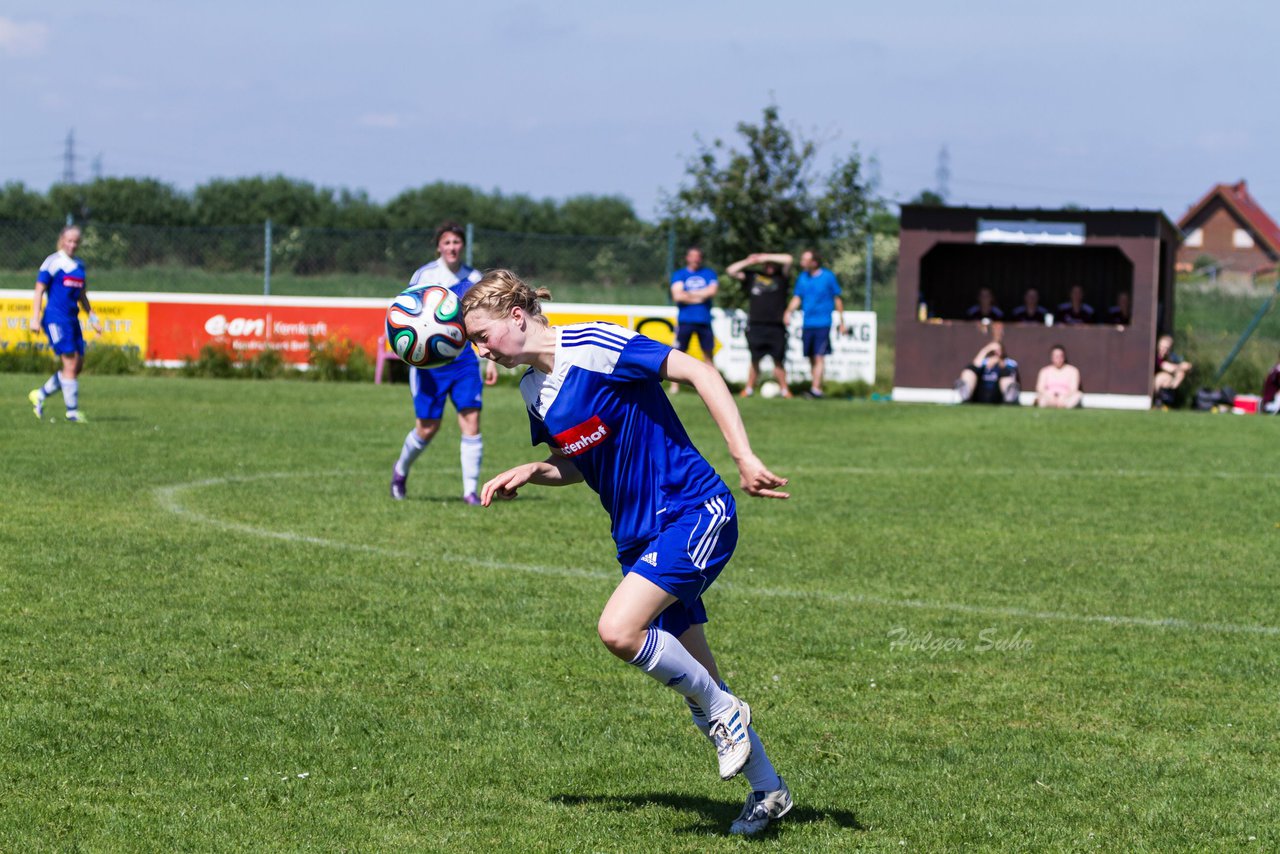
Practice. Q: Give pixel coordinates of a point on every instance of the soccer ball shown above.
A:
(769, 388)
(424, 326)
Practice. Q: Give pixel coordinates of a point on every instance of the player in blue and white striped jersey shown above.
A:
(594, 395)
(458, 380)
(62, 279)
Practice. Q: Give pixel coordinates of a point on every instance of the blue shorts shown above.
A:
(65, 335)
(430, 388)
(686, 331)
(817, 341)
(687, 554)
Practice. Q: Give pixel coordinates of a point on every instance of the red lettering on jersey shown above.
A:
(69, 282)
(580, 439)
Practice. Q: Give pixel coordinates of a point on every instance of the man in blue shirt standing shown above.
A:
(693, 288)
(817, 295)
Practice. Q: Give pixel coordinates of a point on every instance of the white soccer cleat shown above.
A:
(760, 809)
(729, 734)
(37, 402)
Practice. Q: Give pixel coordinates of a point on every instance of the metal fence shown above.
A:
(329, 262)
(306, 261)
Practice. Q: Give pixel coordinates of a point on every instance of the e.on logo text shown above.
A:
(238, 326)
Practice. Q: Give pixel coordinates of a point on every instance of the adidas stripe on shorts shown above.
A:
(684, 558)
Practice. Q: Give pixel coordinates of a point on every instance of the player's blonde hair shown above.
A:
(499, 291)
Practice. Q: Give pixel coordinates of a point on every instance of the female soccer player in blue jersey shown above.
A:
(62, 280)
(594, 395)
(458, 380)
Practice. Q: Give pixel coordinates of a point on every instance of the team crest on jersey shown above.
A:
(582, 438)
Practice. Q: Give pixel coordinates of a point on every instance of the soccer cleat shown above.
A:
(37, 402)
(747, 392)
(814, 394)
(760, 809)
(472, 499)
(397, 485)
(75, 416)
(729, 734)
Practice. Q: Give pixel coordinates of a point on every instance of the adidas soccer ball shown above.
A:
(424, 326)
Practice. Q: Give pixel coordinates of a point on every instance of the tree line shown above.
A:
(293, 203)
(766, 190)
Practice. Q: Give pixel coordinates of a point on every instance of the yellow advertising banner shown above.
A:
(124, 324)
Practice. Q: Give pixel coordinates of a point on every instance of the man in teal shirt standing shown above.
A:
(817, 295)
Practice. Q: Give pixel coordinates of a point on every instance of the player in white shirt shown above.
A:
(594, 395)
(458, 380)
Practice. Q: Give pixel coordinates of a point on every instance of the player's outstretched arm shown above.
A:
(756, 479)
(553, 471)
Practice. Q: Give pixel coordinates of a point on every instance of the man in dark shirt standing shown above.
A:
(767, 293)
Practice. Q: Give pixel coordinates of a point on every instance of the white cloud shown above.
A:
(22, 39)
(381, 120)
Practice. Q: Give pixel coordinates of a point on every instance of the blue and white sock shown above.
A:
(759, 771)
(71, 395)
(412, 449)
(51, 385)
(666, 660)
(471, 451)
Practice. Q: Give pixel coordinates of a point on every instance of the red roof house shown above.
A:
(1229, 226)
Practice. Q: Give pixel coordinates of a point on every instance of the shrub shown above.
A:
(267, 364)
(215, 360)
(336, 358)
(112, 359)
(26, 359)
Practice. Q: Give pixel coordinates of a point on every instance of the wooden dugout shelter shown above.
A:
(947, 254)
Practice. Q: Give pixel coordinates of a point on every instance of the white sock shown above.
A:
(666, 660)
(412, 449)
(759, 771)
(70, 394)
(471, 451)
(51, 385)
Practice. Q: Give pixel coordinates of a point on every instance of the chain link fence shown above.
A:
(305, 261)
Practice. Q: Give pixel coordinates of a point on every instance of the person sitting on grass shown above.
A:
(992, 378)
(1271, 390)
(1171, 370)
(1058, 385)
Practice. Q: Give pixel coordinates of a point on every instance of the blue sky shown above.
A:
(1107, 104)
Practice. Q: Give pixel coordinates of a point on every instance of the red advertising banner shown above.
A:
(178, 330)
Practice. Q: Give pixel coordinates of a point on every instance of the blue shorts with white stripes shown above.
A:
(684, 558)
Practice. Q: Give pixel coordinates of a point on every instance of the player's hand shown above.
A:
(758, 481)
(35, 323)
(504, 486)
(490, 373)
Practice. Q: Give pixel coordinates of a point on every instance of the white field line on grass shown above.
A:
(928, 471)
(169, 499)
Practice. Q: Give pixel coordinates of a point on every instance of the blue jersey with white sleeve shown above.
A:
(438, 273)
(604, 408)
(692, 281)
(64, 281)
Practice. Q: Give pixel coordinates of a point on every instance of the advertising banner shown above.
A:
(171, 329)
(124, 322)
(852, 357)
(178, 330)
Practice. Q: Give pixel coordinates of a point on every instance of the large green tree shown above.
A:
(769, 194)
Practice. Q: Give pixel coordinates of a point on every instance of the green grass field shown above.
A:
(988, 628)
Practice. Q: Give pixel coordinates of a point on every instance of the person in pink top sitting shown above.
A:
(1058, 385)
